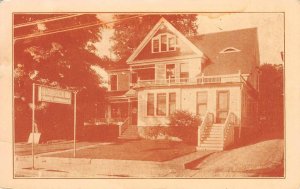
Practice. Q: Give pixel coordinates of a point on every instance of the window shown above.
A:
(113, 82)
(170, 72)
(172, 103)
(163, 43)
(172, 43)
(155, 45)
(223, 101)
(184, 72)
(201, 103)
(163, 46)
(150, 104)
(161, 104)
(230, 50)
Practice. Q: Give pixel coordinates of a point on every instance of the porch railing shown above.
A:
(228, 131)
(123, 127)
(207, 122)
(190, 81)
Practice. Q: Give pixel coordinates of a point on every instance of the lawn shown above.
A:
(144, 150)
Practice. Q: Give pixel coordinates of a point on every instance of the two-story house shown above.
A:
(212, 75)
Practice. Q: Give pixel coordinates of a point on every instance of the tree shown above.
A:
(129, 33)
(271, 97)
(62, 59)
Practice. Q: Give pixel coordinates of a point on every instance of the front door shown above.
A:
(222, 106)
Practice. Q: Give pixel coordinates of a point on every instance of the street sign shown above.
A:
(48, 94)
(53, 95)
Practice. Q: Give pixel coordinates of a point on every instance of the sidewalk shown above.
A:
(57, 167)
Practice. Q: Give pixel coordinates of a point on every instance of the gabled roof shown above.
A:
(152, 33)
(212, 45)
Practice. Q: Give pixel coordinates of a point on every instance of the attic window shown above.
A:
(163, 43)
(230, 50)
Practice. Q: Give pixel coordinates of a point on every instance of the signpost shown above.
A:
(52, 95)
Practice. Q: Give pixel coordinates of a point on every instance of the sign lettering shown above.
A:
(48, 94)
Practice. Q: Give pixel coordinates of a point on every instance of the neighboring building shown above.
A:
(212, 75)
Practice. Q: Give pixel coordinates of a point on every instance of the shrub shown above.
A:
(184, 125)
(154, 131)
(184, 118)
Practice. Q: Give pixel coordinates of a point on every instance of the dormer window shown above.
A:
(163, 43)
(230, 50)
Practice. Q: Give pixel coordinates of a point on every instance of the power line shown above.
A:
(45, 20)
(79, 26)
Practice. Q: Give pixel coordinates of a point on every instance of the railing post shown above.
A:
(223, 135)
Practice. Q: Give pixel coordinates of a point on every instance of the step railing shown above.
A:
(207, 122)
(228, 130)
(124, 126)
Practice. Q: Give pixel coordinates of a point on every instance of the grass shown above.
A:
(143, 150)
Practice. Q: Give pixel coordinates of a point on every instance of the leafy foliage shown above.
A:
(184, 125)
(153, 132)
(184, 118)
(129, 34)
(63, 59)
(271, 95)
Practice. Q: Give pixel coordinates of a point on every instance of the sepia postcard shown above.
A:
(98, 95)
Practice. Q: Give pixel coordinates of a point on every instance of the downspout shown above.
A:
(242, 110)
(242, 102)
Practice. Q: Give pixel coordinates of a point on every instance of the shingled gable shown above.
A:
(152, 33)
(244, 56)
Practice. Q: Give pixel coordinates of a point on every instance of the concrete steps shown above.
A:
(130, 133)
(212, 138)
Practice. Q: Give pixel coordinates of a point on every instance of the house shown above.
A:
(212, 75)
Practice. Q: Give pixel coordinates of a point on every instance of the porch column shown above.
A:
(129, 111)
(108, 113)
